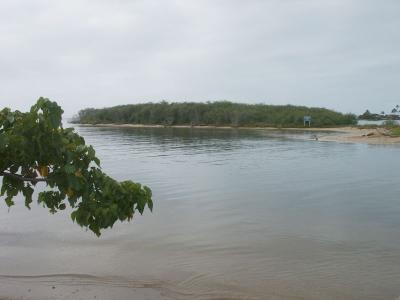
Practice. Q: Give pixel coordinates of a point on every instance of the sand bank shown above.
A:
(378, 136)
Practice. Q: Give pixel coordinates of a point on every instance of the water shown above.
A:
(239, 214)
(378, 122)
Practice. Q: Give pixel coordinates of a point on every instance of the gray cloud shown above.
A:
(342, 54)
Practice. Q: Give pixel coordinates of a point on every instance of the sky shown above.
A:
(339, 54)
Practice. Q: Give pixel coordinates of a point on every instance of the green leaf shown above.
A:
(69, 169)
(150, 204)
(9, 201)
(73, 216)
(27, 192)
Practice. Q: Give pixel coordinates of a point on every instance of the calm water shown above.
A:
(238, 215)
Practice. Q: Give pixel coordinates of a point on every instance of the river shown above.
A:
(238, 214)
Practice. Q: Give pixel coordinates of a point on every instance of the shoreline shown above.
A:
(211, 127)
(68, 286)
(346, 134)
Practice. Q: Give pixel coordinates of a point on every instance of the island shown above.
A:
(219, 113)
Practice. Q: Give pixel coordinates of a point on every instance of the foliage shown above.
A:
(34, 147)
(222, 113)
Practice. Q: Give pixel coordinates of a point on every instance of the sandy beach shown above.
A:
(354, 134)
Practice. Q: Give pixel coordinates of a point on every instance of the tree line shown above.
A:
(220, 113)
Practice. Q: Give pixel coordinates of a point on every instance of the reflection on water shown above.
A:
(238, 214)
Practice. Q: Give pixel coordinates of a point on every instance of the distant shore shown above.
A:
(347, 134)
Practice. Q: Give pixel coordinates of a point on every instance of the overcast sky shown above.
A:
(340, 54)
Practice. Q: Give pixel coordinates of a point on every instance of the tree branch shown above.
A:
(22, 178)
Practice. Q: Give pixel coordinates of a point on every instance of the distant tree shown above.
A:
(366, 115)
(35, 148)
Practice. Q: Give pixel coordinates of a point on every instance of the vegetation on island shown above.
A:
(221, 113)
(36, 149)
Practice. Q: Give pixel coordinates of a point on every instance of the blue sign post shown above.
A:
(307, 120)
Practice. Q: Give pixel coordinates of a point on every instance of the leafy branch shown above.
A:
(34, 147)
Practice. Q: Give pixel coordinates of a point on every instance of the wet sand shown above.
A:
(84, 287)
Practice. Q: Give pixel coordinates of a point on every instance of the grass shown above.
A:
(395, 131)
